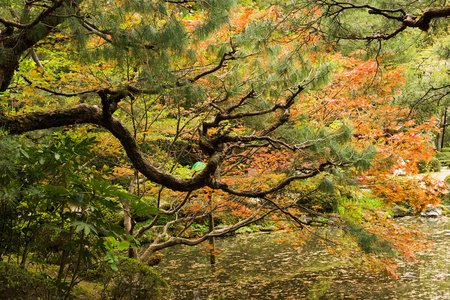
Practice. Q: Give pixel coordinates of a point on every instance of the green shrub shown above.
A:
(445, 149)
(19, 283)
(445, 198)
(442, 155)
(434, 165)
(244, 230)
(134, 280)
(321, 201)
(447, 180)
(422, 166)
(444, 158)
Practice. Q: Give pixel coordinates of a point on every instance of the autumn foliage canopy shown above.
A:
(256, 96)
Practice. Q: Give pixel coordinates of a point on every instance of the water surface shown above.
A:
(260, 267)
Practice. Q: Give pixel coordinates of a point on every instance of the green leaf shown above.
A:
(110, 242)
(142, 209)
(198, 166)
(116, 192)
(123, 245)
(84, 226)
(327, 185)
(77, 199)
(80, 225)
(105, 187)
(90, 228)
(112, 205)
(53, 227)
(114, 267)
(111, 257)
(52, 190)
(24, 153)
(99, 185)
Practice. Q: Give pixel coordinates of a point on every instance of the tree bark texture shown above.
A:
(19, 36)
(92, 114)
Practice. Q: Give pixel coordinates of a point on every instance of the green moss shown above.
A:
(244, 230)
(269, 227)
(445, 210)
(321, 202)
(445, 163)
(135, 280)
(19, 283)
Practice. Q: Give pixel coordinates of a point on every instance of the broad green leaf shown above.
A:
(24, 153)
(327, 185)
(123, 245)
(198, 166)
(55, 190)
(53, 227)
(116, 192)
(77, 199)
(84, 226)
(142, 209)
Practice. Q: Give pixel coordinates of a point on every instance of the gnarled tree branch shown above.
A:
(13, 45)
(92, 114)
(334, 8)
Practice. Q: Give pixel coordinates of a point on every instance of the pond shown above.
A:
(258, 266)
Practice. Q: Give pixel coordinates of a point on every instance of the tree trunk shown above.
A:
(443, 130)
(212, 255)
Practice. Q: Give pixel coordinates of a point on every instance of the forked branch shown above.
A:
(334, 8)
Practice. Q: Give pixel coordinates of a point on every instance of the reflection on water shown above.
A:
(260, 267)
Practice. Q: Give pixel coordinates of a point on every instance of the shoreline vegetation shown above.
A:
(36, 279)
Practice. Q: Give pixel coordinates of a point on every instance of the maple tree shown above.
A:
(413, 31)
(232, 87)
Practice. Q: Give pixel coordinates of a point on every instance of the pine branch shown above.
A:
(225, 115)
(342, 6)
(225, 57)
(14, 45)
(428, 96)
(95, 30)
(36, 21)
(56, 93)
(334, 8)
(283, 183)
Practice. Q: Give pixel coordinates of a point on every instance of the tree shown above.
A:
(390, 18)
(385, 24)
(390, 21)
(232, 87)
(427, 90)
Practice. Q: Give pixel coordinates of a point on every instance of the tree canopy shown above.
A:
(170, 112)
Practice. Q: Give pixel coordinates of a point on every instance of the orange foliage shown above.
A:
(361, 95)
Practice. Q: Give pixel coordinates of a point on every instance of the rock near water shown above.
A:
(432, 211)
